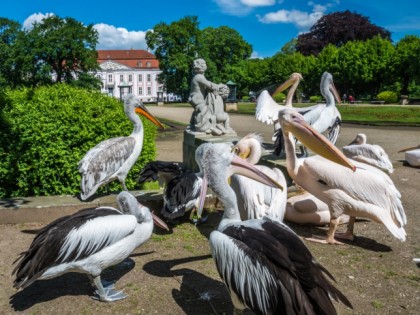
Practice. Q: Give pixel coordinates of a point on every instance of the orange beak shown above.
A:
(142, 110)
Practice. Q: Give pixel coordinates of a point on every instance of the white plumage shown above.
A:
(364, 192)
(88, 242)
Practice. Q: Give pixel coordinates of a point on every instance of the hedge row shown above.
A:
(45, 131)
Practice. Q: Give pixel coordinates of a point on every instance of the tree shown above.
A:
(63, 46)
(224, 48)
(176, 46)
(9, 69)
(338, 28)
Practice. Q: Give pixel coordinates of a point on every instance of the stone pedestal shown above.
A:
(193, 140)
(160, 103)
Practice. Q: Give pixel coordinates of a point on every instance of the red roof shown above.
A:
(133, 58)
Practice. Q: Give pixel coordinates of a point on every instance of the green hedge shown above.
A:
(387, 97)
(279, 97)
(45, 132)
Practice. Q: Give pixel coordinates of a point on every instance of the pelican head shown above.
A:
(293, 122)
(128, 204)
(328, 82)
(249, 148)
(294, 77)
(131, 103)
(219, 158)
(360, 139)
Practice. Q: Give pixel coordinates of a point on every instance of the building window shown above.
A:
(149, 77)
(140, 77)
(139, 64)
(160, 88)
(140, 90)
(148, 64)
(149, 90)
(110, 78)
(130, 78)
(121, 78)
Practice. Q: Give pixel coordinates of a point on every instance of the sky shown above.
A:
(265, 24)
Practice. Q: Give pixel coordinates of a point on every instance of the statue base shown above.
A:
(192, 140)
(231, 106)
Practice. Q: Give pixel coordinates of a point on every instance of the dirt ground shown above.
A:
(174, 273)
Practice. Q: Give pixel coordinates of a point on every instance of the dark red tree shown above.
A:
(338, 28)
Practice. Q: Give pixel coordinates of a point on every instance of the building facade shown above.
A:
(131, 71)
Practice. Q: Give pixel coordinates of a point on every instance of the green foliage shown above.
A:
(47, 130)
(387, 96)
(279, 97)
(315, 98)
(245, 98)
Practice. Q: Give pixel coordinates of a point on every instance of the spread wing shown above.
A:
(267, 110)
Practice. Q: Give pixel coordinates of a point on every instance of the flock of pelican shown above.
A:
(264, 264)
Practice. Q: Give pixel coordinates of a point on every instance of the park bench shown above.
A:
(377, 102)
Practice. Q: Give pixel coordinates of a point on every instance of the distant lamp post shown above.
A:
(124, 90)
(231, 103)
(160, 98)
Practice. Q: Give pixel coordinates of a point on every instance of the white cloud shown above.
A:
(36, 17)
(111, 37)
(241, 7)
(303, 20)
(255, 55)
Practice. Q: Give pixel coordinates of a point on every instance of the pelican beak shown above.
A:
(335, 93)
(315, 141)
(284, 85)
(408, 149)
(157, 221)
(142, 110)
(203, 192)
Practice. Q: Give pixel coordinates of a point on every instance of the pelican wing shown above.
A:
(181, 194)
(367, 185)
(274, 272)
(256, 200)
(102, 161)
(160, 170)
(267, 110)
(312, 113)
(72, 238)
(370, 154)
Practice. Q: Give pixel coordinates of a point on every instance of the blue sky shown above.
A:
(265, 24)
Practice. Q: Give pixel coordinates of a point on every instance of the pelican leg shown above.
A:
(348, 235)
(106, 295)
(330, 234)
(105, 284)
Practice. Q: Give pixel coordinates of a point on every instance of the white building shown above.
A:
(131, 71)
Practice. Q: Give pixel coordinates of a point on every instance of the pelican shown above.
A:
(412, 155)
(372, 154)
(264, 264)
(267, 109)
(160, 171)
(182, 192)
(256, 200)
(325, 118)
(88, 241)
(364, 192)
(113, 158)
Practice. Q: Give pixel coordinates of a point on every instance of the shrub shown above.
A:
(387, 96)
(279, 97)
(47, 130)
(315, 98)
(245, 98)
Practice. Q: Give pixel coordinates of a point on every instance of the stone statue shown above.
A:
(207, 100)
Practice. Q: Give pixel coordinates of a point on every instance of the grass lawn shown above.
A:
(362, 113)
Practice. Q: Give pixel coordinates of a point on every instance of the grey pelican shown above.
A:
(113, 158)
(264, 264)
(88, 241)
(365, 192)
(372, 154)
(256, 200)
(412, 155)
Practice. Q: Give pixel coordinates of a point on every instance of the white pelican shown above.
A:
(256, 200)
(88, 241)
(325, 118)
(372, 154)
(264, 264)
(412, 155)
(113, 158)
(366, 192)
(267, 109)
